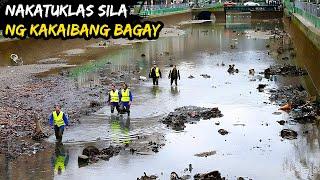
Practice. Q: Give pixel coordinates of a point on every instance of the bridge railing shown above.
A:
(313, 9)
(253, 8)
(163, 9)
(309, 11)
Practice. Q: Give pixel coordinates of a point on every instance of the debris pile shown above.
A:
(213, 175)
(288, 134)
(285, 70)
(185, 114)
(297, 102)
(91, 154)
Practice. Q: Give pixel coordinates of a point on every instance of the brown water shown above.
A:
(253, 148)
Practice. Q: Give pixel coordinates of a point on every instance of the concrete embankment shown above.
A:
(312, 33)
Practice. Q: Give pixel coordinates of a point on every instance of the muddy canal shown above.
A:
(253, 148)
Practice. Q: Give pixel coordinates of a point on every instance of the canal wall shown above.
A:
(266, 14)
(312, 33)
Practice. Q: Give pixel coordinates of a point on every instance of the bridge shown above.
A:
(205, 11)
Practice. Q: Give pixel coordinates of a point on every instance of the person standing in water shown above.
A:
(155, 74)
(114, 99)
(58, 119)
(174, 74)
(126, 98)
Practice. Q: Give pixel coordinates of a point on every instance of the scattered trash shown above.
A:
(261, 87)
(223, 132)
(214, 175)
(145, 177)
(288, 134)
(285, 70)
(206, 154)
(143, 78)
(281, 122)
(251, 71)
(286, 107)
(205, 75)
(16, 59)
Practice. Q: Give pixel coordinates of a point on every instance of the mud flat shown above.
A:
(27, 98)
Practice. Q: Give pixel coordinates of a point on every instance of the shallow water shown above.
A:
(253, 148)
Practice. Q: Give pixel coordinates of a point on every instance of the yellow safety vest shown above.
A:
(125, 95)
(59, 164)
(157, 71)
(114, 96)
(58, 119)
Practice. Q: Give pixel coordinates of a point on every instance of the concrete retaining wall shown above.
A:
(266, 14)
(307, 28)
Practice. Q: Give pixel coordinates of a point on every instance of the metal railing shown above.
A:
(163, 9)
(313, 9)
(309, 11)
(173, 8)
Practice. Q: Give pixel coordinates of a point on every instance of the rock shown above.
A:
(214, 175)
(185, 114)
(251, 71)
(223, 132)
(191, 77)
(143, 78)
(145, 177)
(288, 134)
(109, 152)
(185, 177)
(206, 154)
(174, 176)
(91, 151)
(83, 160)
(261, 87)
(281, 122)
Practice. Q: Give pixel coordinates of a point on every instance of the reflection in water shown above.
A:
(60, 159)
(174, 90)
(155, 90)
(120, 127)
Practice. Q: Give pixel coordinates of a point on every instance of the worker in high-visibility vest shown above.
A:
(126, 98)
(114, 99)
(58, 119)
(155, 74)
